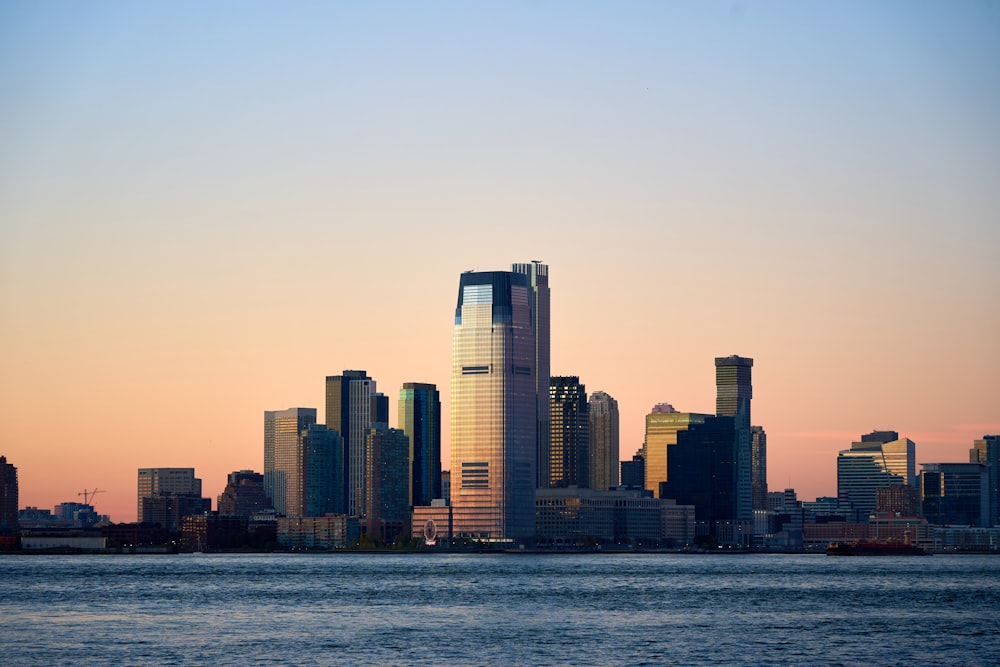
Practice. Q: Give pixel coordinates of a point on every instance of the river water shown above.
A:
(457, 609)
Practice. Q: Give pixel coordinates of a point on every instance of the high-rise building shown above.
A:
(987, 452)
(380, 408)
(662, 425)
(322, 471)
(758, 467)
(955, 494)
(734, 391)
(603, 411)
(494, 408)
(569, 433)
(387, 487)
(349, 411)
(282, 459)
(420, 419)
(155, 481)
(539, 308)
(8, 499)
(880, 460)
(244, 495)
(702, 471)
(167, 495)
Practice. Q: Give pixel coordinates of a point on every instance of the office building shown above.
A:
(758, 467)
(282, 458)
(734, 392)
(634, 471)
(322, 471)
(8, 501)
(955, 494)
(538, 312)
(494, 408)
(880, 460)
(569, 433)
(387, 483)
(420, 419)
(662, 426)
(163, 482)
(244, 495)
(987, 452)
(702, 471)
(603, 413)
(351, 408)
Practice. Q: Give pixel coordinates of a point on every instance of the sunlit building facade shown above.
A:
(282, 431)
(420, 419)
(153, 482)
(602, 412)
(569, 444)
(494, 408)
(539, 309)
(662, 425)
(880, 460)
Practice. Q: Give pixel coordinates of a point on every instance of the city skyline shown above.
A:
(812, 187)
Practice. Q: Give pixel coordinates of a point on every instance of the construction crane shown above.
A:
(89, 495)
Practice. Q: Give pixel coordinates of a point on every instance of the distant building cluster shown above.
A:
(534, 464)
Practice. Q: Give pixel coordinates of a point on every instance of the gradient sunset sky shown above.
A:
(206, 208)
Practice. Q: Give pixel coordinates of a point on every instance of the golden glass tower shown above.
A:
(494, 408)
(662, 425)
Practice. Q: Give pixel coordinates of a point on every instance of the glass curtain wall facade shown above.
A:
(987, 452)
(662, 425)
(604, 432)
(494, 409)
(420, 419)
(879, 461)
(350, 402)
(282, 458)
(569, 444)
(539, 308)
(734, 389)
(955, 494)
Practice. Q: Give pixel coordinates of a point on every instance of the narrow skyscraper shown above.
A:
(539, 308)
(734, 390)
(604, 464)
(758, 467)
(420, 419)
(8, 500)
(569, 434)
(494, 408)
(350, 402)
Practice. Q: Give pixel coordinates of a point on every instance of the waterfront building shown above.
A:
(387, 483)
(734, 390)
(282, 431)
(569, 434)
(758, 467)
(702, 471)
(662, 425)
(634, 471)
(244, 495)
(494, 408)
(322, 469)
(539, 301)
(168, 509)
(880, 460)
(602, 410)
(162, 482)
(420, 419)
(333, 531)
(987, 452)
(898, 499)
(955, 494)
(351, 409)
(214, 532)
(8, 502)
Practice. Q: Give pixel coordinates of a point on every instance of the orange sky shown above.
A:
(204, 212)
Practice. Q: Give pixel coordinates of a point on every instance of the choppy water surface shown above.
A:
(499, 609)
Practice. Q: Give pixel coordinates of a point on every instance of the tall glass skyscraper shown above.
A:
(604, 430)
(569, 444)
(282, 432)
(879, 461)
(420, 419)
(494, 408)
(538, 306)
(987, 451)
(734, 391)
(351, 408)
